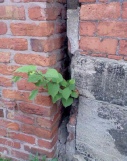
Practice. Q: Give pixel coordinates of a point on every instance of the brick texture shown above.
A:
(103, 29)
(30, 33)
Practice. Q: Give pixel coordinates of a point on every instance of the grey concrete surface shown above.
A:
(101, 78)
(101, 132)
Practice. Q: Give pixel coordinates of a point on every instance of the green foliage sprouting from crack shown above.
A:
(58, 88)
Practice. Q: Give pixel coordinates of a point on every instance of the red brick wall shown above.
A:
(31, 32)
(103, 28)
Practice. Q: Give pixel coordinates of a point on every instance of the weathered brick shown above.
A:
(114, 28)
(9, 125)
(123, 47)
(48, 123)
(94, 44)
(7, 69)
(49, 144)
(3, 132)
(116, 57)
(39, 132)
(39, 151)
(38, 13)
(43, 100)
(87, 28)
(20, 117)
(35, 59)
(14, 43)
(124, 10)
(16, 95)
(12, 12)
(25, 29)
(20, 155)
(10, 143)
(23, 84)
(3, 28)
(1, 113)
(60, 28)
(37, 110)
(21, 137)
(87, 1)
(5, 57)
(5, 82)
(100, 11)
(47, 45)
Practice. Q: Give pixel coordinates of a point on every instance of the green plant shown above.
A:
(58, 88)
(44, 158)
(5, 159)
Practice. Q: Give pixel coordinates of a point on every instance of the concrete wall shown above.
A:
(100, 69)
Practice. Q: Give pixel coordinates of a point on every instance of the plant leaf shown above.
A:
(53, 89)
(44, 158)
(56, 98)
(72, 81)
(64, 83)
(54, 159)
(72, 86)
(34, 78)
(74, 94)
(33, 94)
(26, 69)
(67, 102)
(51, 73)
(66, 93)
(16, 78)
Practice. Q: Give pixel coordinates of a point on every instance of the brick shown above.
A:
(37, 13)
(48, 123)
(39, 132)
(124, 10)
(5, 82)
(43, 100)
(12, 12)
(35, 59)
(8, 104)
(52, 13)
(100, 11)
(5, 57)
(9, 125)
(94, 44)
(10, 143)
(60, 28)
(22, 137)
(87, 28)
(37, 110)
(3, 28)
(20, 155)
(7, 69)
(1, 113)
(20, 117)
(114, 28)
(3, 132)
(123, 47)
(49, 144)
(86, 1)
(25, 29)
(16, 95)
(25, 85)
(39, 151)
(14, 43)
(47, 45)
(116, 57)
(4, 150)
